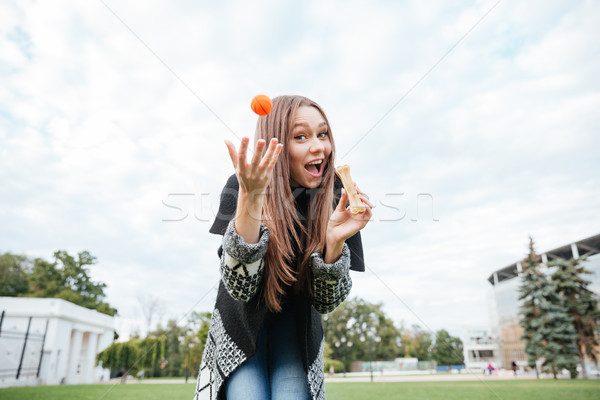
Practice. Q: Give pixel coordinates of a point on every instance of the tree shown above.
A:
(357, 318)
(174, 349)
(151, 307)
(581, 305)
(124, 355)
(447, 350)
(68, 278)
(531, 294)
(152, 352)
(547, 327)
(190, 351)
(13, 274)
(199, 322)
(416, 343)
(558, 332)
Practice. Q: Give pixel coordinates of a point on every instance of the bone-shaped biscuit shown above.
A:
(356, 205)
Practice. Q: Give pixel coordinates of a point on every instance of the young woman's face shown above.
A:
(308, 148)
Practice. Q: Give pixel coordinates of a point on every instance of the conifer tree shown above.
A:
(548, 328)
(581, 304)
(531, 295)
(557, 331)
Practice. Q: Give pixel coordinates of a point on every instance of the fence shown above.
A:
(398, 364)
(21, 352)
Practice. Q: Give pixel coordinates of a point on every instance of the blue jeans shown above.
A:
(275, 371)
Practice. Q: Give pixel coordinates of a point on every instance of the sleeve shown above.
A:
(242, 264)
(331, 283)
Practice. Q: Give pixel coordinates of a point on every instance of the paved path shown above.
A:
(151, 381)
(376, 378)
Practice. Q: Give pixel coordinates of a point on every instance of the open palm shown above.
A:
(255, 176)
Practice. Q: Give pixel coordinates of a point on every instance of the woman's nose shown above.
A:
(317, 146)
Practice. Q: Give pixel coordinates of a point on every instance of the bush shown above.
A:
(338, 366)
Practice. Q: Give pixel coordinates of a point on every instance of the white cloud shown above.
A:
(95, 133)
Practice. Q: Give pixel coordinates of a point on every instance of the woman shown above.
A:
(285, 259)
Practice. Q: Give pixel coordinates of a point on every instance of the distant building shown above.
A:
(504, 303)
(51, 341)
(480, 349)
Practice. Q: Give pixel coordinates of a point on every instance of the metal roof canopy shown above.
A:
(582, 248)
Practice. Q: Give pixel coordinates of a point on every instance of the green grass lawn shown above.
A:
(475, 390)
(468, 390)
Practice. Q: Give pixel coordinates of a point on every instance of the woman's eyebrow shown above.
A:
(306, 125)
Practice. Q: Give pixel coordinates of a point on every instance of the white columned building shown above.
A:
(51, 341)
(74, 357)
(91, 346)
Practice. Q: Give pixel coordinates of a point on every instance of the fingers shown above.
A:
(232, 153)
(258, 162)
(274, 157)
(343, 201)
(271, 155)
(366, 216)
(363, 197)
(258, 150)
(242, 153)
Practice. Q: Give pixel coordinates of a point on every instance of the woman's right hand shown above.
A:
(254, 177)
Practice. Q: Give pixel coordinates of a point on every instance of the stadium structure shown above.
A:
(503, 298)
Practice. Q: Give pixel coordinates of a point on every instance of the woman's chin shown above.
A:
(307, 181)
(313, 183)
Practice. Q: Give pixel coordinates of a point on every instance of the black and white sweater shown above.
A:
(240, 312)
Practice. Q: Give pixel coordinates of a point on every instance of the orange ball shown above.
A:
(261, 104)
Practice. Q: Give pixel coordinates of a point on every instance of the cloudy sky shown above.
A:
(471, 125)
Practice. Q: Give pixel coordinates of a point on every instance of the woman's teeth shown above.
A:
(314, 167)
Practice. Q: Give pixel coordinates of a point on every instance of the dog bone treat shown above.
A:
(356, 205)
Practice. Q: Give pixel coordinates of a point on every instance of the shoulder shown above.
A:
(232, 182)
(230, 190)
(227, 206)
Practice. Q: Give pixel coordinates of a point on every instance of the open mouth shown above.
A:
(314, 168)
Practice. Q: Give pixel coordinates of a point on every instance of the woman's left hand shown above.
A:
(343, 224)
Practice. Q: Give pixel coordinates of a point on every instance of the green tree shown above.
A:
(13, 274)
(548, 328)
(531, 295)
(404, 341)
(152, 352)
(558, 333)
(329, 362)
(199, 323)
(581, 305)
(447, 350)
(68, 278)
(125, 355)
(416, 343)
(175, 353)
(358, 318)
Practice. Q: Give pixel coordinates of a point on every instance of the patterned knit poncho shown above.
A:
(240, 312)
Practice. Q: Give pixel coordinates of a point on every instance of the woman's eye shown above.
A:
(323, 134)
(300, 137)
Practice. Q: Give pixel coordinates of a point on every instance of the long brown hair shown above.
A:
(279, 212)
